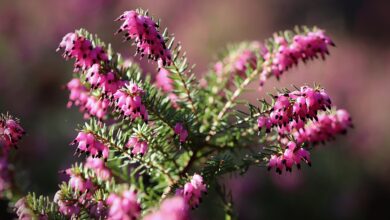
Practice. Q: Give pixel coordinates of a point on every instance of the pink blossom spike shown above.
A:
(82, 50)
(87, 143)
(143, 30)
(284, 55)
(129, 102)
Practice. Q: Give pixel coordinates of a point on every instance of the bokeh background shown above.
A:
(350, 178)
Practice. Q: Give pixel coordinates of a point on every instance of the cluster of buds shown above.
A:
(89, 104)
(99, 167)
(143, 30)
(292, 155)
(71, 204)
(81, 197)
(137, 146)
(296, 106)
(87, 143)
(180, 130)
(107, 82)
(82, 49)
(325, 129)
(285, 54)
(192, 191)
(123, 206)
(174, 208)
(129, 102)
(166, 85)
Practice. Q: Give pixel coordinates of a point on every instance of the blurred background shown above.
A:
(350, 178)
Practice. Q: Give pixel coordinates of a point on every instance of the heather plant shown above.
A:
(153, 147)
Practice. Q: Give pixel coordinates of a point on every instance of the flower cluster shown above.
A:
(107, 82)
(174, 208)
(82, 197)
(296, 106)
(137, 146)
(286, 54)
(180, 130)
(87, 143)
(89, 104)
(325, 129)
(291, 155)
(192, 191)
(82, 49)
(129, 102)
(124, 206)
(98, 166)
(143, 30)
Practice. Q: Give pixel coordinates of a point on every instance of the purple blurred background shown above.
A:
(350, 178)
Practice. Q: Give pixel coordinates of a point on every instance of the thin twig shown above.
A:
(229, 104)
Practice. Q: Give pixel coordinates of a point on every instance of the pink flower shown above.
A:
(138, 146)
(325, 129)
(264, 122)
(82, 50)
(292, 155)
(87, 143)
(108, 82)
(297, 106)
(174, 208)
(124, 206)
(99, 168)
(193, 190)
(285, 54)
(129, 102)
(143, 30)
(181, 132)
(90, 105)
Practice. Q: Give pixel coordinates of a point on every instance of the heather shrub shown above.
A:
(154, 146)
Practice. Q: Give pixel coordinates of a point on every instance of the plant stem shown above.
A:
(229, 104)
